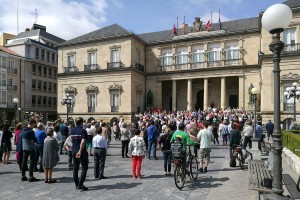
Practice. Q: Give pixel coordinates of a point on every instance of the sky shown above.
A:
(72, 18)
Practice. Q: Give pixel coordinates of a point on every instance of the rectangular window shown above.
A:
(198, 56)
(167, 59)
(43, 54)
(54, 87)
(44, 71)
(92, 59)
(115, 56)
(37, 53)
(54, 101)
(39, 85)
(53, 57)
(71, 60)
(114, 100)
(44, 86)
(33, 85)
(11, 64)
(50, 73)
(49, 101)
(33, 69)
(4, 62)
(44, 101)
(54, 73)
(213, 55)
(91, 102)
(289, 39)
(39, 70)
(33, 101)
(48, 56)
(39, 101)
(3, 97)
(9, 81)
(3, 79)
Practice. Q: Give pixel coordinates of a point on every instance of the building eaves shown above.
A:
(6, 50)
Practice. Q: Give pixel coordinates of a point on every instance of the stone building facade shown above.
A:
(112, 72)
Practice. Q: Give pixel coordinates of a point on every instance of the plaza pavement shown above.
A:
(220, 182)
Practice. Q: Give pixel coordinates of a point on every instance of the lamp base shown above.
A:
(255, 150)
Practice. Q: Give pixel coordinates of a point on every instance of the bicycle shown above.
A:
(241, 155)
(298, 182)
(180, 170)
(265, 147)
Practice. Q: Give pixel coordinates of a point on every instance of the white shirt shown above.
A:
(206, 137)
(99, 142)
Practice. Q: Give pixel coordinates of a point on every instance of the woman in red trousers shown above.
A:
(138, 149)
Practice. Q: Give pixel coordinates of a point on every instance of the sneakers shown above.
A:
(24, 178)
(205, 169)
(82, 188)
(33, 179)
(103, 177)
(166, 173)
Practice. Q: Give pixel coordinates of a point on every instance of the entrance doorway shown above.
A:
(233, 101)
(199, 102)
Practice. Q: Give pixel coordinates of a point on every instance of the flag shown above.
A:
(208, 25)
(174, 30)
(220, 23)
(182, 28)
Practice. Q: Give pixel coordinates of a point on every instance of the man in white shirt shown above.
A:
(100, 148)
(205, 137)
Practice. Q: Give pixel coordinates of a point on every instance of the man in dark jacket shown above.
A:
(235, 140)
(28, 147)
(270, 128)
(64, 131)
(152, 140)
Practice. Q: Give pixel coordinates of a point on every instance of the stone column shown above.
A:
(241, 92)
(159, 94)
(174, 96)
(189, 95)
(205, 95)
(223, 93)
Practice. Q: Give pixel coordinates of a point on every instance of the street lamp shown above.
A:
(20, 115)
(16, 101)
(68, 101)
(254, 92)
(255, 141)
(275, 19)
(293, 92)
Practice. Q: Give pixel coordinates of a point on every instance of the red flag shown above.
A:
(208, 25)
(174, 30)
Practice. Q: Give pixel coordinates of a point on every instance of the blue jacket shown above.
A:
(152, 133)
(270, 127)
(28, 139)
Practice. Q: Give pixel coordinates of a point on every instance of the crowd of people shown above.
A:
(150, 131)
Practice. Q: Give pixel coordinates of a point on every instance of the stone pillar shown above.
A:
(241, 92)
(174, 96)
(189, 95)
(205, 95)
(223, 93)
(159, 94)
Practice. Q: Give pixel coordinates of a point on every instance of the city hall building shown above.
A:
(112, 72)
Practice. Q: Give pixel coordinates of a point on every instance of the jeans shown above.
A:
(125, 147)
(225, 139)
(27, 154)
(246, 141)
(99, 162)
(137, 165)
(152, 144)
(40, 149)
(216, 140)
(167, 160)
(84, 161)
(70, 163)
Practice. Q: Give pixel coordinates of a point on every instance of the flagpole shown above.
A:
(184, 24)
(211, 19)
(18, 16)
(177, 25)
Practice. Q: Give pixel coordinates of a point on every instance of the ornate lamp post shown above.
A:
(255, 140)
(275, 19)
(293, 92)
(68, 101)
(16, 101)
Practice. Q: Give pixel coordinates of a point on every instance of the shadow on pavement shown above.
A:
(205, 182)
(117, 186)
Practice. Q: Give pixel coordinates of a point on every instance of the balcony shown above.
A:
(232, 62)
(92, 67)
(181, 66)
(114, 108)
(12, 71)
(140, 67)
(91, 109)
(291, 47)
(288, 107)
(71, 69)
(12, 87)
(214, 63)
(197, 65)
(167, 68)
(114, 65)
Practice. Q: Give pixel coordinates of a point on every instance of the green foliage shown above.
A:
(291, 141)
(259, 118)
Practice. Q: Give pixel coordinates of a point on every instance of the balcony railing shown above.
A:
(167, 68)
(114, 65)
(12, 87)
(140, 67)
(181, 66)
(197, 65)
(232, 62)
(70, 69)
(291, 47)
(91, 109)
(115, 109)
(288, 107)
(12, 71)
(70, 109)
(215, 63)
(91, 67)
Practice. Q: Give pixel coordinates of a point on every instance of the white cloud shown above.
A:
(64, 18)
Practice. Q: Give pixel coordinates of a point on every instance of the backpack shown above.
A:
(176, 148)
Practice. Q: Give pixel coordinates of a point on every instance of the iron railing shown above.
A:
(91, 67)
(232, 62)
(214, 63)
(91, 109)
(114, 108)
(70, 69)
(288, 107)
(140, 67)
(197, 65)
(291, 47)
(114, 65)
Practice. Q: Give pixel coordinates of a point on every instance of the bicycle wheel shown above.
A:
(193, 167)
(298, 184)
(179, 176)
(250, 154)
(241, 161)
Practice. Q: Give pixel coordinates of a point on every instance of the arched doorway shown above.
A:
(199, 102)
